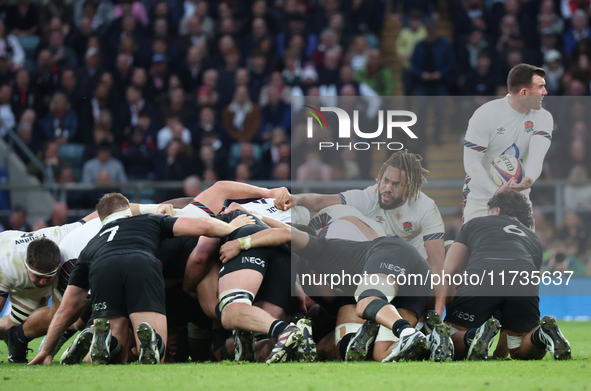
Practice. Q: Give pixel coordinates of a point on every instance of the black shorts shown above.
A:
(126, 283)
(274, 263)
(415, 304)
(519, 313)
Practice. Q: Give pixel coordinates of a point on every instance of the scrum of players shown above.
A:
(219, 276)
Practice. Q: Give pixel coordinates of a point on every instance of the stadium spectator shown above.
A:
(7, 120)
(50, 158)
(90, 73)
(282, 172)
(22, 19)
(408, 38)
(577, 194)
(275, 114)
(133, 106)
(432, 63)
(138, 155)
(6, 73)
(241, 117)
(174, 129)
(379, 78)
(70, 87)
(25, 134)
(59, 215)
(10, 48)
(480, 81)
(208, 131)
(313, 169)
(328, 42)
(251, 159)
(104, 161)
(17, 219)
(578, 32)
(62, 56)
(192, 186)
(554, 71)
(192, 68)
(61, 122)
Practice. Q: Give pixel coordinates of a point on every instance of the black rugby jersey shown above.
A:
(138, 234)
(500, 238)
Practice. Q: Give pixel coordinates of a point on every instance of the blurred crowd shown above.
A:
(111, 91)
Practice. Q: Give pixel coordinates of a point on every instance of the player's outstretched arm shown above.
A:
(215, 196)
(66, 315)
(266, 238)
(456, 260)
(311, 201)
(207, 226)
(158, 209)
(271, 222)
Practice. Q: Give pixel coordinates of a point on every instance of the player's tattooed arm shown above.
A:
(311, 201)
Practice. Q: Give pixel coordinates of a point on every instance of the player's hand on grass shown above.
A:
(229, 250)
(165, 209)
(241, 221)
(43, 358)
(505, 186)
(283, 202)
(234, 206)
(525, 183)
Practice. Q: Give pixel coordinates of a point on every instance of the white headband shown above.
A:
(50, 274)
(116, 215)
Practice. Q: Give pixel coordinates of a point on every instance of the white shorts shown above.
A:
(27, 301)
(385, 334)
(344, 229)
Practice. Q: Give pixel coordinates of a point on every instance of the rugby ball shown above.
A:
(505, 167)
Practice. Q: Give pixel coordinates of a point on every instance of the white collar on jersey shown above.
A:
(35, 272)
(116, 215)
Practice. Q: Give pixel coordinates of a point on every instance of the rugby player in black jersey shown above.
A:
(500, 242)
(326, 256)
(120, 268)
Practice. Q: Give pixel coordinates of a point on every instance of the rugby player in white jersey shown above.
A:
(28, 267)
(515, 125)
(401, 209)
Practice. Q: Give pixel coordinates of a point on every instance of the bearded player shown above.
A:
(515, 125)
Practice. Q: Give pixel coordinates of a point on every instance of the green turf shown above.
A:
(542, 375)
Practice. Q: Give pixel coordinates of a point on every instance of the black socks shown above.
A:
(344, 344)
(399, 326)
(536, 339)
(17, 336)
(277, 328)
(469, 336)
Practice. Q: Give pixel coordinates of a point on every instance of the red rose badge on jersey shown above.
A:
(529, 126)
(407, 227)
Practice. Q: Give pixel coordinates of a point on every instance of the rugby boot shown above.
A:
(100, 351)
(244, 346)
(76, 352)
(16, 354)
(149, 353)
(307, 348)
(431, 319)
(408, 347)
(483, 340)
(288, 340)
(556, 344)
(359, 345)
(440, 344)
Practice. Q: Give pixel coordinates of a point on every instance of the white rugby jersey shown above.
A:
(75, 241)
(414, 221)
(497, 129)
(13, 252)
(324, 217)
(266, 207)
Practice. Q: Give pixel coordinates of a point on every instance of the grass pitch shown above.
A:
(542, 375)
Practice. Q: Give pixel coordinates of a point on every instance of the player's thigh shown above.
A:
(207, 291)
(246, 271)
(107, 287)
(278, 284)
(6, 323)
(520, 314)
(119, 329)
(470, 312)
(474, 209)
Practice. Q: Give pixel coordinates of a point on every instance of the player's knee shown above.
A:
(230, 301)
(372, 298)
